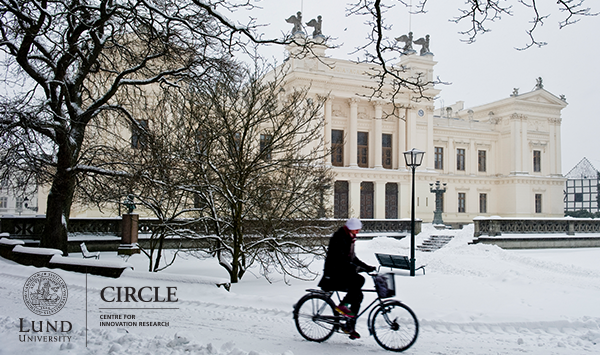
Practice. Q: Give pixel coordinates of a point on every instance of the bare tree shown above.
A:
(152, 166)
(230, 162)
(256, 169)
(66, 62)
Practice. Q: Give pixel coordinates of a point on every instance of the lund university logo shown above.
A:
(45, 293)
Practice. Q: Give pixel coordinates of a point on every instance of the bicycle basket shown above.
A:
(385, 285)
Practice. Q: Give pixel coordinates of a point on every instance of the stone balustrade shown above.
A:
(31, 227)
(496, 226)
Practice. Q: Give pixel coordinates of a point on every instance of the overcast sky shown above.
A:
(486, 70)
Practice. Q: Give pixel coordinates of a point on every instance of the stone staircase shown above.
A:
(434, 242)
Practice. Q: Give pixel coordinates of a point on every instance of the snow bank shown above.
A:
(474, 299)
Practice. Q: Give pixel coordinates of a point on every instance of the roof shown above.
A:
(583, 170)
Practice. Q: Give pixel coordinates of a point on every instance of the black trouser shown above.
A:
(354, 296)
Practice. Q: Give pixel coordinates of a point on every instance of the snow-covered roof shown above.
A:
(583, 170)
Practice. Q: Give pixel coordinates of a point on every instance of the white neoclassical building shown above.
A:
(502, 158)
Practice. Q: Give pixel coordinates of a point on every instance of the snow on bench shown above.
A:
(87, 254)
(396, 262)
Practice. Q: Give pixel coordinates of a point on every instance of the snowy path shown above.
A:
(473, 300)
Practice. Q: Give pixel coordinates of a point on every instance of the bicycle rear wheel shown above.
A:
(315, 317)
(395, 326)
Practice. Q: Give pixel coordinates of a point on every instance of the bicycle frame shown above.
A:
(370, 307)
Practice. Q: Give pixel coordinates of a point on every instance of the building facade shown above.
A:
(502, 158)
(22, 203)
(581, 189)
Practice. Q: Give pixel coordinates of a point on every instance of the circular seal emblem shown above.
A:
(421, 113)
(45, 293)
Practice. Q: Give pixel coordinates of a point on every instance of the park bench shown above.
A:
(396, 262)
(87, 254)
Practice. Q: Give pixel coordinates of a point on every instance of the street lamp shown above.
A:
(413, 158)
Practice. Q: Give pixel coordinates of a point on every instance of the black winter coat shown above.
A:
(341, 261)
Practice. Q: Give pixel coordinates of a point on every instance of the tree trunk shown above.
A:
(159, 251)
(235, 262)
(60, 198)
(58, 210)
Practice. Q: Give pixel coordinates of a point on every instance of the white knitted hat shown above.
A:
(354, 224)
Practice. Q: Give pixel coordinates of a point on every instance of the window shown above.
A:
(235, 144)
(460, 159)
(461, 202)
(340, 199)
(386, 151)
(481, 161)
(579, 197)
(391, 200)
(139, 134)
(3, 202)
(482, 203)
(538, 203)
(19, 203)
(363, 149)
(366, 200)
(337, 147)
(202, 142)
(537, 161)
(439, 158)
(265, 146)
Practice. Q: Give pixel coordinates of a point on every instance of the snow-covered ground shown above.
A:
(474, 299)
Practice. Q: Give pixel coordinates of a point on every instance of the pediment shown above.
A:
(541, 96)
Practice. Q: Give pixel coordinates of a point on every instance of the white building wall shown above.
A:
(508, 130)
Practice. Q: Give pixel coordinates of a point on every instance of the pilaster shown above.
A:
(379, 197)
(352, 134)
(377, 141)
(354, 199)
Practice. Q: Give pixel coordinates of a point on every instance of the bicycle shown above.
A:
(392, 323)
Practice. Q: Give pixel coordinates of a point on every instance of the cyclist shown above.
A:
(341, 271)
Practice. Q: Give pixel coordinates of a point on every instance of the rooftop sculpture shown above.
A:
(407, 49)
(408, 41)
(297, 21)
(539, 84)
(316, 24)
(424, 43)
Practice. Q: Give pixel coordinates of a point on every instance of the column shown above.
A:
(527, 160)
(379, 197)
(401, 143)
(352, 134)
(493, 160)
(516, 143)
(474, 156)
(354, 197)
(450, 163)
(558, 148)
(411, 120)
(429, 150)
(552, 147)
(377, 141)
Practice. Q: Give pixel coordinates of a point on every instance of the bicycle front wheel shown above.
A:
(395, 326)
(315, 317)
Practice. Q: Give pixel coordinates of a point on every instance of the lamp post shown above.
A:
(438, 189)
(413, 158)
